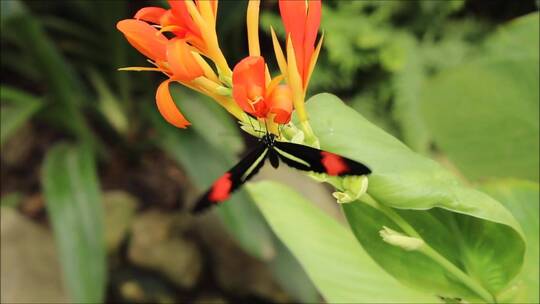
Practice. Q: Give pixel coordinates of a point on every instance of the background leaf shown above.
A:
(16, 108)
(486, 110)
(333, 259)
(65, 90)
(74, 206)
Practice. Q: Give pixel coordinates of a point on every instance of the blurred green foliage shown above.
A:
(451, 79)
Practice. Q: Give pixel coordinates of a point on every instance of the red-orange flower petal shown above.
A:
(150, 14)
(181, 12)
(167, 107)
(145, 38)
(182, 64)
(293, 15)
(313, 21)
(280, 104)
(249, 85)
(302, 20)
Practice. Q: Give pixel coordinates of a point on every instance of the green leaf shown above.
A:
(74, 207)
(206, 115)
(522, 199)
(204, 161)
(485, 111)
(404, 180)
(471, 243)
(64, 88)
(329, 253)
(17, 107)
(291, 276)
(522, 31)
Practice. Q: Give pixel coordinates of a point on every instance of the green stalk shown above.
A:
(429, 251)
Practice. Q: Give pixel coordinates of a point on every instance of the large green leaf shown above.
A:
(522, 199)
(205, 158)
(291, 276)
(470, 243)
(329, 253)
(404, 180)
(74, 207)
(16, 108)
(486, 111)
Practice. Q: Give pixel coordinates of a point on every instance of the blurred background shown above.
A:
(84, 152)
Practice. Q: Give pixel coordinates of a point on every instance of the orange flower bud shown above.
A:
(280, 103)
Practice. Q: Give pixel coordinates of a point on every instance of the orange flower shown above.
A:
(179, 21)
(256, 96)
(171, 57)
(176, 20)
(302, 20)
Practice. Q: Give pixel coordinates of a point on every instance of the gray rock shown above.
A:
(29, 267)
(119, 208)
(18, 148)
(156, 245)
(236, 271)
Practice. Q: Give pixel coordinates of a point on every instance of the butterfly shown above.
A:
(294, 155)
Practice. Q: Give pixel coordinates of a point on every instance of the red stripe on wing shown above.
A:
(221, 189)
(334, 164)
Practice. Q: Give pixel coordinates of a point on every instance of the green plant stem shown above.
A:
(309, 137)
(429, 251)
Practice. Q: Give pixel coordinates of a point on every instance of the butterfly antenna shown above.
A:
(265, 127)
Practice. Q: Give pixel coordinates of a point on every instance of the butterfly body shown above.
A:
(297, 156)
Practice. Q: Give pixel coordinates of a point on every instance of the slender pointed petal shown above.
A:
(140, 69)
(208, 71)
(295, 82)
(253, 27)
(313, 61)
(207, 12)
(167, 107)
(280, 57)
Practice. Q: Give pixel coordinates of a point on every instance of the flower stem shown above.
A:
(429, 251)
(309, 137)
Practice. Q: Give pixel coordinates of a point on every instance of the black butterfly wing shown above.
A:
(310, 159)
(233, 179)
